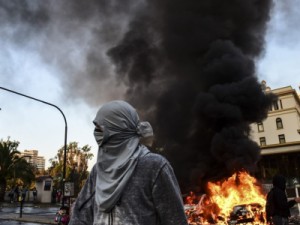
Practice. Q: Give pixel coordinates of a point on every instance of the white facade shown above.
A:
(44, 186)
(280, 131)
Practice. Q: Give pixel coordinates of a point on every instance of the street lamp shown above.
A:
(66, 130)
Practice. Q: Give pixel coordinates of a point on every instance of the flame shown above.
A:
(240, 197)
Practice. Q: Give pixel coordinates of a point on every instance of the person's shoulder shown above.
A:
(154, 158)
(150, 165)
(277, 191)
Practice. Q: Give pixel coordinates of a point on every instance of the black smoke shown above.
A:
(188, 67)
(194, 63)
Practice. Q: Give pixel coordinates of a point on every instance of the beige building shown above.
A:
(33, 158)
(279, 135)
(40, 163)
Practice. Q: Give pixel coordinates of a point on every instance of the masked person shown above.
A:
(128, 185)
(277, 205)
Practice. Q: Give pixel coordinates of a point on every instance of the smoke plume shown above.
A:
(188, 67)
(191, 66)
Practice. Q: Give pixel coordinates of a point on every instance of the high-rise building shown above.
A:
(33, 158)
(279, 136)
(40, 163)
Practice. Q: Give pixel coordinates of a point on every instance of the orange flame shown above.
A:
(240, 196)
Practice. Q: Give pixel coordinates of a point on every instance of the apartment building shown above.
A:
(33, 158)
(279, 136)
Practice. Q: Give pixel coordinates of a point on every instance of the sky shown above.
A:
(45, 63)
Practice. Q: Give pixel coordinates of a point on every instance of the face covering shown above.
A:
(99, 136)
(118, 132)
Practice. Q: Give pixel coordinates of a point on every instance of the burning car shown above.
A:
(228, 202)
(247, 213)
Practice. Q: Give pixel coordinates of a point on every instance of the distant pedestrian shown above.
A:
(58, 195)
(277, 205)
(34, 192)
(11, 196)
(24, 193)
(53, 195)
(16, 193)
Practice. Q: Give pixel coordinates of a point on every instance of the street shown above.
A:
(32, 214)
(9, 222)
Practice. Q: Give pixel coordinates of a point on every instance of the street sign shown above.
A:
(69, 189)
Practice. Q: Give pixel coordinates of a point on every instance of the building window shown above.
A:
(280, 102)
(270, 108)
(281, 138)
(275, 105)
(260, 127)
(279, 124)
(47, 186)
(262, 141)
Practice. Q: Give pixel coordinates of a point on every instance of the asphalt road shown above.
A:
(10, 222)
(32, 214)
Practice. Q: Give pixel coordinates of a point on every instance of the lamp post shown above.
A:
(66, 130)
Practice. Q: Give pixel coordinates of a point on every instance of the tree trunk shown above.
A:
(2, 189)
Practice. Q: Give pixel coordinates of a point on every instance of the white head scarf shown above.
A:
(119, 149)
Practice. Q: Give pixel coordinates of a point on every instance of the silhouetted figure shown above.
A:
(11, 196)
(277, 205)
(16, 193)
(24, 192)
(58, 196)
(34, 192)
(53, 195)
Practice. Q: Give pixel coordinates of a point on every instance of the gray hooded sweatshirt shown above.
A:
(128, 185)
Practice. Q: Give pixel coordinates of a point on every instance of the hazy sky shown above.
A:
(44, 64)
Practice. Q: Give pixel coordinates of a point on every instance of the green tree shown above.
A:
(12, 166)
(76, 165)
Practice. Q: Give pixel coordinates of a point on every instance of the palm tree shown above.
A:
(12, 166)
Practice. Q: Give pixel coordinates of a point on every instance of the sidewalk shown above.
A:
(33, 213)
